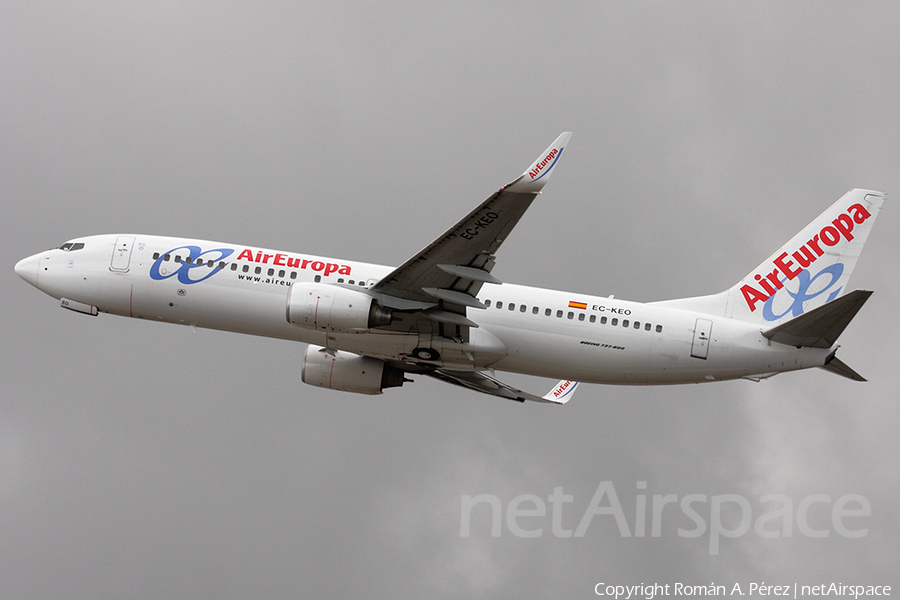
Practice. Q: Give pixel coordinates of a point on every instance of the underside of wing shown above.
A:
(436, 285)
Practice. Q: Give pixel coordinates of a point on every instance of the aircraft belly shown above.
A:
(482, 350)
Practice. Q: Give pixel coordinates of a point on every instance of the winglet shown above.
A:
(535, 176)
(562, 392)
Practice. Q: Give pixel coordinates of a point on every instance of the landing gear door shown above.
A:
(702, 334)
(121, 256)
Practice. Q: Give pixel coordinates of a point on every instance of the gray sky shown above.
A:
(142, 460)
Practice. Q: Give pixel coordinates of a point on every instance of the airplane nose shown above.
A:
(27, 269)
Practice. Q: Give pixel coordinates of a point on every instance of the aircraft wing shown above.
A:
(446, 276)
(482, 382)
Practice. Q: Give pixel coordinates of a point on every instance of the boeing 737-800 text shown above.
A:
(443, 314)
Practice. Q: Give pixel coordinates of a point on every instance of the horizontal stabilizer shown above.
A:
(820, 327)
(838, 367)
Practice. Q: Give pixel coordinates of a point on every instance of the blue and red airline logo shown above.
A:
(786, 267)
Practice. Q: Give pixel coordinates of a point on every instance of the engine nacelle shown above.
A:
(324, 307)
(339, 370)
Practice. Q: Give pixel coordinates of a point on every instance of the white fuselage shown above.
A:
(543, 332)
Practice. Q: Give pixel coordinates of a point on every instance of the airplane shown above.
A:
(444, 314)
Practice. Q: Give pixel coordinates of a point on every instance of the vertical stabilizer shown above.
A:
(812, 268)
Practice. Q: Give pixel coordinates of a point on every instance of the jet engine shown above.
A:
(339, 370)
(324, 307)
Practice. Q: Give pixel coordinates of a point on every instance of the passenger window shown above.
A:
(571, 315)
(646, 326)
(559, 314)
(487, 303)
(547, 312)
(318, 278)
(659, 329)
(340, 280)
(499, 304)
(281, 273)
(234, 266)
(534, 310)
(189, 260)
(614, 322)
(270, 272)
(637, 325)
(246, 268)
(593, 318)
(522, 308)
(221, 266)
(351, 282)
(167, 257)
(603, 320)
(625, 323)
(581, 316)
(293, 274)
(178, 258)
(512, 306)
(258, 270)
(155, 255)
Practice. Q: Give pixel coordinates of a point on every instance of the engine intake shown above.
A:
(325, 307)
(339, 370)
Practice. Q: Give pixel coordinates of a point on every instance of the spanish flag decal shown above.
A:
(581, 305)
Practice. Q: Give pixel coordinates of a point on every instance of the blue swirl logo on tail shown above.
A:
(802, 295)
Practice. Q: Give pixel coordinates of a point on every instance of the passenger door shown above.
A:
(121, 256)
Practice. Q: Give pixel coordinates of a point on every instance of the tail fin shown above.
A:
(812, 268)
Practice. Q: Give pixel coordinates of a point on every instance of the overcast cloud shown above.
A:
(147, 461)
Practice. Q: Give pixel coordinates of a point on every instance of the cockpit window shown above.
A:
(72, 246)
